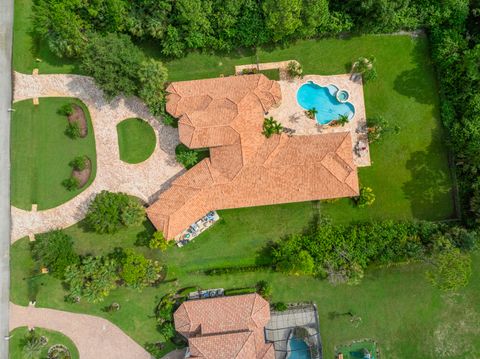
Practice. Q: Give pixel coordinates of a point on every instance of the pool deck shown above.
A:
(292, 116)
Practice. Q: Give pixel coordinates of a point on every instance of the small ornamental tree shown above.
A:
(31, 345)
(366, 67)
(366, 198)
(158, 241)
(110, 211)
(452, 269)
(138, 271)
(54, 250)
(187, 157)
(311, 113)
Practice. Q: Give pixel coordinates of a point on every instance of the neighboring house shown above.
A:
(245, 168)
(225, 327)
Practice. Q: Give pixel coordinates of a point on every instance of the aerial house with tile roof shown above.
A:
(245, 168)
(225, 327)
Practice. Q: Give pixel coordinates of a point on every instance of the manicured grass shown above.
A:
(18, 334)
(271, 74)
(136, 140)
(398, 307)
(41, 152)
(29, 51)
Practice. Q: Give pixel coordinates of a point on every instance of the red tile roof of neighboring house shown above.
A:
(225, 327)
(245, 168)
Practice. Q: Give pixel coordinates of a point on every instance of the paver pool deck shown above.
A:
(291, 115)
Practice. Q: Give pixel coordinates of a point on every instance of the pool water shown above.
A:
(323, 99)
(298, 349)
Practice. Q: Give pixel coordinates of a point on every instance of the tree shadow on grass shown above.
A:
(417, 82)
(429, 186)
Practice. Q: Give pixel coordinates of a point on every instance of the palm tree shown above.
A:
(342, 120)
(271, 127)
(31, 346)
(311, 113)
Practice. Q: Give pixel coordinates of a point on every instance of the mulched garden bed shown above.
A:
(79, 116)
(83, 175)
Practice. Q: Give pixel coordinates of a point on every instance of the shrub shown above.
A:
(378, 127)
(239, 291)
(452, 270)
(66, 110)
(271, 127)
(73, 130)
(236, 269)
(79, 163)
(110, 211)
(366, 67)
(167, 330)
(158, 241)
(294, 69)
(264, 288)
(280, 306)
(169, 120)
(366, 198)
(54, 250)
(155, 349)
(164, 309)
(71, 184)
(187, 157)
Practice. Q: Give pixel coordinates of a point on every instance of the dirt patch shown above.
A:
(83, 175)
(78, 116)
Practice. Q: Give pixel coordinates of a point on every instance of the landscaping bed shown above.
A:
(83, 176)
(55, 342)
(78, 117)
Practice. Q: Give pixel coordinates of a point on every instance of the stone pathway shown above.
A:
(144, 180)
(94, 337)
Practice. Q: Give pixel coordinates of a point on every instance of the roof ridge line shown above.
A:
(333, 174)
(245, 342)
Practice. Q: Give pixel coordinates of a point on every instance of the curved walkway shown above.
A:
(94, 337)
(143, 180)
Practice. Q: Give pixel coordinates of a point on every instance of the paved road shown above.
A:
(6, 23)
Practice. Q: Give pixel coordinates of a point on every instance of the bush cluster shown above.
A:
(239, 291)
(235, 269)
(110, 211)
(341, 253)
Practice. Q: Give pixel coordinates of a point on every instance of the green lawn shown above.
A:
(398, 307)
(40, 153)
(18, 334)
(29, 52)
(136, 140)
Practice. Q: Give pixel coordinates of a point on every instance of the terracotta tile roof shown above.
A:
(225, 327)
(245, 168)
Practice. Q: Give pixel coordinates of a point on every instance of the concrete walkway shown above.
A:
(143, 180)
(94, 337)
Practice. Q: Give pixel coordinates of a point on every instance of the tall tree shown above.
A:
(113, 61)
(192, 17)
(315, 17)
(152, 76)
(283, 17)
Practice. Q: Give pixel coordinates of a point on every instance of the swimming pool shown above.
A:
(324, 100)
(298, 349)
